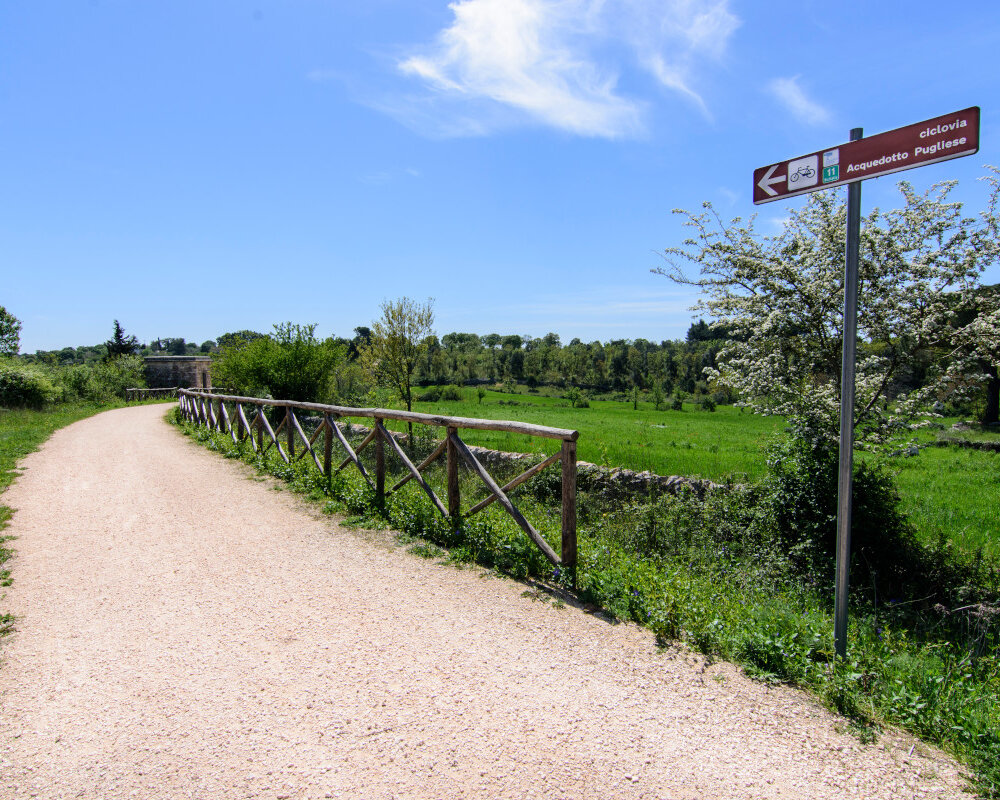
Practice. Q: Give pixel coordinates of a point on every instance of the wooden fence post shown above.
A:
(379, 465)
(260, 430)
(454, 497)
(328, 450)
(568, 554)
(290, 433)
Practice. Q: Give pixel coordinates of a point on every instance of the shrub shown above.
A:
(707, 404)
(103, 381)
(432, 395)
(290, 364)
(799, 509)
(452, 393)
(115, 376)
(676, 404)
(22, 386)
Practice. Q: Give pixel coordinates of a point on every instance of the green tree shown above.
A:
(781, 299)
(397, 342)
(120, 344)
(237, 338)
(290, 364)
(10, 333)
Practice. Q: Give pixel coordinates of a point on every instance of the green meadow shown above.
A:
(720, 445)
(950, 494)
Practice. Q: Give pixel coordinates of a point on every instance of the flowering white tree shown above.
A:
(975, 357)
(781, 298)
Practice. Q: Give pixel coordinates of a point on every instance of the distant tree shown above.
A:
(398, 340)
(176, 347)
(362, 335)
(121, 345)
(207, 346)
(10, 333)
(238, 338)
(490, 342)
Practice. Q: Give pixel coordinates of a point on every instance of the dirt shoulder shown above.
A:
(184, 631)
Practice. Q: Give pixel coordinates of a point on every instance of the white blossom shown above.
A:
(781, 300)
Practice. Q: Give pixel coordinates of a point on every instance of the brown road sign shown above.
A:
(939, 139)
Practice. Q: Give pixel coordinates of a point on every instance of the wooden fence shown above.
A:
(134, 395)
(213, 411)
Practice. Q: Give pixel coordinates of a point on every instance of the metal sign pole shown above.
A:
(844, 480)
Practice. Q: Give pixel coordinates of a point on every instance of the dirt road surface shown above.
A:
(186, 632)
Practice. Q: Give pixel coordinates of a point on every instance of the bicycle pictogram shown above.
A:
(805, 172)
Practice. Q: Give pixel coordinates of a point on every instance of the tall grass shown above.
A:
(953, 494)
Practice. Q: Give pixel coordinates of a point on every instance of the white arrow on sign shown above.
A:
(766, 181)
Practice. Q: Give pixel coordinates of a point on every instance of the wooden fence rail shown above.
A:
(132, 395)
(136, 394)
(213, 410)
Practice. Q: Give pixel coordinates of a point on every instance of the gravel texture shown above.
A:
(185, 631)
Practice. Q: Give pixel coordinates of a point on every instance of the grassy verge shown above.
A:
(702, 573)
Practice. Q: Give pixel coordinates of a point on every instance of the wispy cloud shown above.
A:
(793, 97)
(558, 63)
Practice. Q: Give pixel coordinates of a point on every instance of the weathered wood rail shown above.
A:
(213, 411)
(132, 395)
(163, 391)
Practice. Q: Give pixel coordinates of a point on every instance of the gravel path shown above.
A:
(186, 632)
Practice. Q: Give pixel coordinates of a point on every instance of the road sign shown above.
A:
(938, 139)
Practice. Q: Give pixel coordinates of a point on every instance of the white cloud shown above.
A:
(558, 62)
(791, 95)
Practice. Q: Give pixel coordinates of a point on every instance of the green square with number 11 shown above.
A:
(831, 174)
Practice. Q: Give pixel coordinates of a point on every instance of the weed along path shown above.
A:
(184, 631)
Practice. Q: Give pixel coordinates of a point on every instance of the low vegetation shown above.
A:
(746, 574)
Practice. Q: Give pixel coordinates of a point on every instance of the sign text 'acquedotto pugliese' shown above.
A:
(939, 139)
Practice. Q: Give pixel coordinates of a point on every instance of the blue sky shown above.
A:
(192, 168)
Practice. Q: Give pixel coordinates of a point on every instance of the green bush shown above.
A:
(22, 386)
(289, 364)
(105, 380)
(452, 393)
(432, 395)
(676, 404)
(798, 508)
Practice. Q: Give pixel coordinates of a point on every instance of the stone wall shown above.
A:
(188, 372)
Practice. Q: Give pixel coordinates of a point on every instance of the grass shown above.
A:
(953, 494)
(949, 493)
(720, 445)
